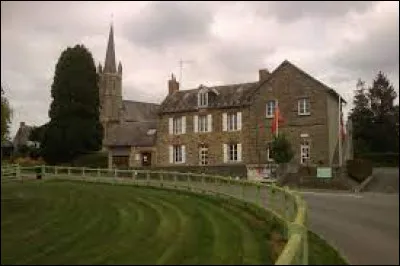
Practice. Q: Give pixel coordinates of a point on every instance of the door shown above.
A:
(146, 158)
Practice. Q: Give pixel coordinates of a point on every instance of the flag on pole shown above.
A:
(342, 130)
(275, 121)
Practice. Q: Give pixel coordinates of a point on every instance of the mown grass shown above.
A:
(65, 222)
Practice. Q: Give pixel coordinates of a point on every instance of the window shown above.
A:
(304, 106)
(270, 108)
(232, 122)
(203, 123)
(178, 154)
(177, 125)
(151, 132)
(203, 99)
(304, 151)
(232, 152)
(203, 153)
(269, 152)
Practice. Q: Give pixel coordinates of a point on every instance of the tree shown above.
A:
(282, 152)
(383, 128)
(6, 115)
(375, 117)
(361, 116)
(74, 126)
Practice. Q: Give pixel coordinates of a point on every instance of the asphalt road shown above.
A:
(363, 227)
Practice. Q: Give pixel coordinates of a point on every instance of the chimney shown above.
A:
(263, 74)
(173, 85)
(21, 124)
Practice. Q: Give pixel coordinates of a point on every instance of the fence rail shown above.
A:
(283, 203)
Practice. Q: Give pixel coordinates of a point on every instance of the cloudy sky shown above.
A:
(223, 42)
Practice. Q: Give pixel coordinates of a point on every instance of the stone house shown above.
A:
(221, 125)
(231, 124)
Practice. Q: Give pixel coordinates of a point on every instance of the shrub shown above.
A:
(27, 161)
(92, 160)
(307, 171)
(359, 169)
(387, 159)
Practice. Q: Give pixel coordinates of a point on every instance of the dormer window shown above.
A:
(203, 99)
(202, 96)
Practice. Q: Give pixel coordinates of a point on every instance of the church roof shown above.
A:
(138, 134)
(109, 64)
(139, 111)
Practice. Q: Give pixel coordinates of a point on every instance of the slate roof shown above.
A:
(234, 95)
(139, 111)
(131, 134)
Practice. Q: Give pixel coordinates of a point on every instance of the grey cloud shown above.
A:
(166, 23)
(290, 11)
(378, 51)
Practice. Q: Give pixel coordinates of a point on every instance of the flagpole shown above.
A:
(277, 118)
(339, 131)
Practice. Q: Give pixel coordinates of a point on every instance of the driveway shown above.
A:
(386, 179)
(364, 227)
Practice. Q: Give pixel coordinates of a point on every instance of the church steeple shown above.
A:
(109, 65)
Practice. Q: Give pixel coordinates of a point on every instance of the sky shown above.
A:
(219, 42)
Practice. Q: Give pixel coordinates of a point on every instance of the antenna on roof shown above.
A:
(181, 62)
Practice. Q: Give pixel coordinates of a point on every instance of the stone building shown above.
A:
(231, 124)
(129, 126)
(221, 125)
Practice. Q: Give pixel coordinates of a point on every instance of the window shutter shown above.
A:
(239, 152)
(209, 120)
(224, 120)
(183, 154)
(195, 123)
(198, 98)
(239, 120)
(183, 124)
(171, 154)
(225, 151)
(170, 125)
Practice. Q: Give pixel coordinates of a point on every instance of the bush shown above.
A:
(222, 170)
(92, 160)
(27, 161)
(387, 159)
(307, 171)
(359, 169)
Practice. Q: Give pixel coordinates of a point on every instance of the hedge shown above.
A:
(222, 170)
(93, 160)
(359, 169)
(381, 159)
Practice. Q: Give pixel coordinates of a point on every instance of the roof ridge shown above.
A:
(132, 101)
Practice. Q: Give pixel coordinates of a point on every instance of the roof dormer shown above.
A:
(202, 96)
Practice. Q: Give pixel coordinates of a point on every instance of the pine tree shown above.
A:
(383, 131)
(74, 126)
(361, 117)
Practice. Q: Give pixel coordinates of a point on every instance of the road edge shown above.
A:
(363, 184)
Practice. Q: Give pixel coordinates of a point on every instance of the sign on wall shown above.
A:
(324, 172)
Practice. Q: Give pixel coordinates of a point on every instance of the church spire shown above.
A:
(109, 65)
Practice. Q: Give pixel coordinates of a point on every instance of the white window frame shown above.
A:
(305, 150)
(203, 99)
(232, 122)
(270, 109)
(178, 154)
(303, 106)
(269, 158)
(203, 155)
(233, 152)
(203, 123)
(177, 125)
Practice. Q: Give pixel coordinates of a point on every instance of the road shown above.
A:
(386, 179)
(363, 227)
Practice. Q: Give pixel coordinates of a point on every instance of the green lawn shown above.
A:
(65, 222)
